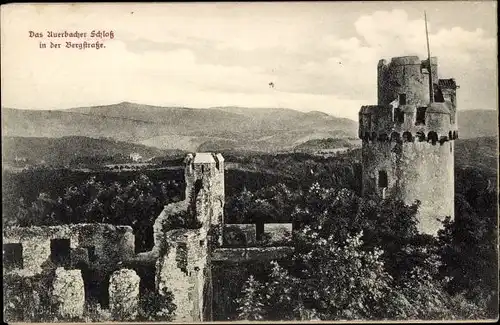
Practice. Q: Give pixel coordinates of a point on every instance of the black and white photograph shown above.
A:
(198, 162)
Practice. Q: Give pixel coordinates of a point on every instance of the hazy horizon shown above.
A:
(319, 56)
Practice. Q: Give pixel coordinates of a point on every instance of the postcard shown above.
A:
(250, 162)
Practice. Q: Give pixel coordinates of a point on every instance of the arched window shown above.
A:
(432, 137)
(407, 136)
(450, 135)
(374, 136)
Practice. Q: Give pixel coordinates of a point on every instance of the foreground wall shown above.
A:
(101, 244)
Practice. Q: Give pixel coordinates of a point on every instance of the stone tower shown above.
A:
(408, 141)
(183, 264)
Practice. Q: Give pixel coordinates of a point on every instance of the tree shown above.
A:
(251, 306)
(357, 258)
(468, 250)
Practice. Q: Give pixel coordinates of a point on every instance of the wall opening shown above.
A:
(383, 137)
(450, 135)
(407, 137)
(104, 291)
(13, 256)
(402, 99)
(181, 257)
(197, 187)
(259, 230)
(395, 137)
(399, 115)
(420, 120)
(96, 286)
(420, 136)
(432, 137)
(147, 283)
(382, 178)
(438, 94)
(60, 252)
(144, 237)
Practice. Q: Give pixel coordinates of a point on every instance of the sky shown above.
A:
(319, 55)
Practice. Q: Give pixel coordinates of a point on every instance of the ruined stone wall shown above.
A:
(181, 270)
(109, 243)
(245, 235)
(183, 253)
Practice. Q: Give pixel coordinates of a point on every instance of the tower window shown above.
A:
(382, 178)
(13, 256)
(402, 99)
(399, 115)
(438, 94)
(60, 252)
(420, 115)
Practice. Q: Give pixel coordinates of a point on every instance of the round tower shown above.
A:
(408, 148)
(406, 79)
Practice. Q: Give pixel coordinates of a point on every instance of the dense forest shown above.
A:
(355, 258)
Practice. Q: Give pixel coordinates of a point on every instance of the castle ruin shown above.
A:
(408, 138)
(182, 257)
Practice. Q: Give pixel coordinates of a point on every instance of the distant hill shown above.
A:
(477, 123)
(73, 149)
(216, 128)
(181, 128)
(481, 153)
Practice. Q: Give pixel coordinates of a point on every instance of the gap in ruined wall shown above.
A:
(13, 256)
(259, 230)
(60, 252)
(96, 284)
(147, 283)
(144, 240)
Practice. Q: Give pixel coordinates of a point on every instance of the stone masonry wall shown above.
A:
(181, 271)
(415, 170)
(111, 243)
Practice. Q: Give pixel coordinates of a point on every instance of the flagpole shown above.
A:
(431, 85)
